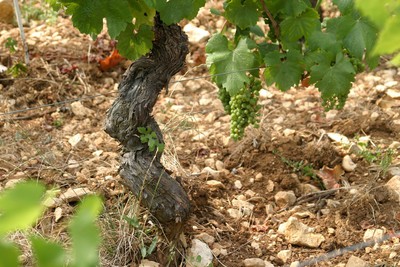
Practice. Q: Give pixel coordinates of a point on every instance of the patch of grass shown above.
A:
(374, 155)
(300, 167)
(38, 10)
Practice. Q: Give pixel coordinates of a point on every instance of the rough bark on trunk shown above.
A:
(138, 91)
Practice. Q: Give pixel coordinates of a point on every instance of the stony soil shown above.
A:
(241, 192)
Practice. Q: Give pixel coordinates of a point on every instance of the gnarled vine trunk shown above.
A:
(138, 91)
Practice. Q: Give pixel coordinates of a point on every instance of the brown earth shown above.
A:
(37, 122)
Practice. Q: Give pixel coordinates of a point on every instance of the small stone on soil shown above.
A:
(199, 250)
(208, 239)
(284, 255)
(373, 234)
(285, 198)
(300, 234)
(253, 262)
(356, 262)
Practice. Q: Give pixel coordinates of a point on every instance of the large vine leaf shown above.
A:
(232, 62)
(378, 11)
(21, 206)
(142, 13)
(173, 11)
(87, 15)
(135, 43)
(294, 7)
(389, 39)
(242, 13)
(333, 81)
(358, 34)
(284, 70)
(345, 6)
(295, 27)
(85, 234)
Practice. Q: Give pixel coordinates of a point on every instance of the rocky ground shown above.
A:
(306, 183)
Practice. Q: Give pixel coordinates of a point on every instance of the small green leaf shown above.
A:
(257, 30)
(242, 13)
(132, 221)
(142, 130)
(85, 234)
(143, 251)
(284, 70)
(21, 206)
(47, 254)
(152, 245)
(233, 63)
(9, 253)
(160, 147)
(152, 144)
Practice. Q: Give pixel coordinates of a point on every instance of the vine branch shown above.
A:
(271, 18)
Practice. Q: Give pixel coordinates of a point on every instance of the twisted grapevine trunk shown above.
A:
(138, 91)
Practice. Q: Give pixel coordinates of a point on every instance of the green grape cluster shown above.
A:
(225, 98)
(244, 108)
(359, 66)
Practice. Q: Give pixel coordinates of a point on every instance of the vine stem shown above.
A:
(271, 18)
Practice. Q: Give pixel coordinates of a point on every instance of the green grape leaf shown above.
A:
(242, 13)
(325, 41)
(9, 254)
(284, 70)
(389, 38)
(345, 6)
(21, 206)
(311, 58)
(294, 7)
(396, 60)
(358, 35)
(85, 234)
(295, 27)
(88, 16)
(333, 81)
(48, 254)
(377, 11)
(135, 43)
(142, 13)
(117, 16)
(173, 11)
(232, 62)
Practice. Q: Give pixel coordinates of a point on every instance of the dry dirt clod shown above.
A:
(373, 234)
